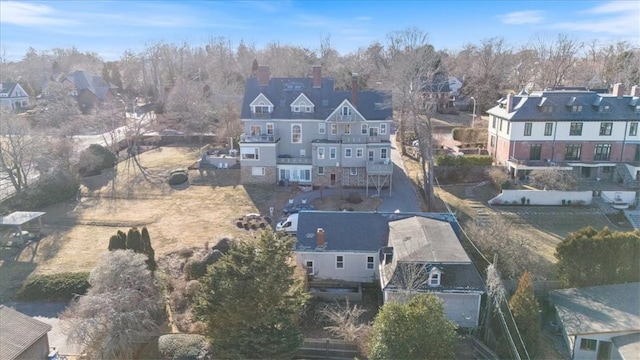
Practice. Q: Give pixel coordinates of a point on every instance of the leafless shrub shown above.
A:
(552, 179)
(344, 320)
(497, 176)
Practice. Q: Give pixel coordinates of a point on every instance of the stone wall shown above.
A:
(269, 177)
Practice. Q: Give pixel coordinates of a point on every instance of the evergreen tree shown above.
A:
(418, 329)
(590, 258)
(525, 309)
(116, 243)
(148, 249)
(250, 300)
(134, 242)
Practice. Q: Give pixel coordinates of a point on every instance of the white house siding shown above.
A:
(593, 355)
(355, 265)
(461, 308)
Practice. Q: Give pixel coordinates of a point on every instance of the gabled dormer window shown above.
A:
(434, 274)
(261, 105)
(262, 109)
(302, 104)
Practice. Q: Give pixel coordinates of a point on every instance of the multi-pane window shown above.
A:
(588, 344)
(353, 171)
(434, 279)
(572, 151)
(296, 134)
(576, 108)
(383, 129)
(364, 129)
(334, 129)
(347, 152)
(602, 152)
(270, 129)
(373, 131)
(575, 129)
(546, 109)
(305, 175)
(345, 110)
(250, 153)
(309, 265)
(633, 129)
(347, 129)
(604, 108)
(534, 151)
(383, 153)
(262, 109)
(322, 128)
(493, 122)
(548, 129)
(320, 153)
(605, 128)
(320, 170)
(339, 262)
(255, 130)
(527, 128)
(370, 262)
(332, 153)
(359, 152)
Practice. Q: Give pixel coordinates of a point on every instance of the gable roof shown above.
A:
(18, 332)
(428, 242)
(343, 231)
(598, 309)
(7, 89)
(628, 345)
(95, 84)
(282, 92)
(528, 107)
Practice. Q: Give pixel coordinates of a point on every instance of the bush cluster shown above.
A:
(94, 159)
(467, 160)
(56, 287)
(183, 346)
(51, 189)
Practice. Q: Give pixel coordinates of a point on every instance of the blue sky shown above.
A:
(111, 27)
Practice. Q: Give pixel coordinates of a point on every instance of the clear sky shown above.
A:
(108, 28)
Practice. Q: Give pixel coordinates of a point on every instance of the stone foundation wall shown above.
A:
(269, 177)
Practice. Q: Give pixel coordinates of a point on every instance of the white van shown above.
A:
(289, 224)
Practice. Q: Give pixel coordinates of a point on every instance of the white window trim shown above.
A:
(372, 263)
(270, 126)
(350, 150)
(383, 129)
(257, 171)
(313, 267)
(338, 262)
(292, 126)
(334, 129)
(353, 171)
(385, 152)
(254, 151)
(296, 109)
(252, 127)
(321, 152)
(334, 154)
(322, 128)
(364, 129)
(361, 150)
(434, 272)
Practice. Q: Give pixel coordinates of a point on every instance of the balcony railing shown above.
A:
(382, 168)
(259, 138)
(294, 160)
(346, 117)
(360, 139)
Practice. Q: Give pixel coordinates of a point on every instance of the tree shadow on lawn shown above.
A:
(12, 272)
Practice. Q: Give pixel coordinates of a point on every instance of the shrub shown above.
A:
(50, 189)
(192, 288)
(212, 257)
(183, 346)
(354, 197)
(56, 287)
(178, 178)
(194, 269)
(185, 253)
(94, 159)
(223, 245)
(505, 185)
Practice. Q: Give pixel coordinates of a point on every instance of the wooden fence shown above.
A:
(327, 349)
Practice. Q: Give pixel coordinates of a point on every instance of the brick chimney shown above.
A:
(263, 75)
(509, 102)
(354, 89)
(320, 238)
(618, 90)
(317, 76)
(635, 91)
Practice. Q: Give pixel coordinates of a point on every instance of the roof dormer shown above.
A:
(261, 106)
(302, 104)
(575, 105)
(434, 274)
(345, 112)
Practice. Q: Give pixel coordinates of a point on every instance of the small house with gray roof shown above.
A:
(405, 252)
(89, 89)
(424, 255)
(12, 96)
(591, 133)
(600, 322)
(21, 336)
(303, 130)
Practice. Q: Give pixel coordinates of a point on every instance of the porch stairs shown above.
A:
(621, 172)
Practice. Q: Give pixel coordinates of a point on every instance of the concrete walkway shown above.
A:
(403, 196)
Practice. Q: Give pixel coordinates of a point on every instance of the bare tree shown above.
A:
(553, 179)
(121, 311)
(18, 152)
(344, 319)
(555, 58)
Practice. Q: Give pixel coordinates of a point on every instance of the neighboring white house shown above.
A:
(13, 96)
(425, 256)
(600, 322)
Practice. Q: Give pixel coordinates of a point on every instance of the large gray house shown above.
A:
(303, 130)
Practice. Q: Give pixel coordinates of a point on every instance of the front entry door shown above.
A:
(333, 179)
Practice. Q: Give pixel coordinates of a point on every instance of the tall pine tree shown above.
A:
(526, 312)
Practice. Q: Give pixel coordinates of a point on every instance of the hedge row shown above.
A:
(56, 287)
(52, 189)
(466, 160)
